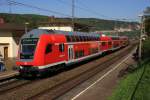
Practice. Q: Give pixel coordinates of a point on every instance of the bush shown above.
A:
(146, 48)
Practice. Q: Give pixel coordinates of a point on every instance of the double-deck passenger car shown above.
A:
(42, 50)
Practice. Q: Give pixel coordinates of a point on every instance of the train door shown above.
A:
(70, 52)
(99, 46)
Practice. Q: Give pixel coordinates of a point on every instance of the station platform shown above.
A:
(8, 74)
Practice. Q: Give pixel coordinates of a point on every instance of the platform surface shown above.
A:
(8, 74)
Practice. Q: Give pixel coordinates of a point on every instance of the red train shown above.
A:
(41, 50)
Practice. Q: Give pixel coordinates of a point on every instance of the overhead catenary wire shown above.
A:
(38, 8)
(83, 7)
(86, 8)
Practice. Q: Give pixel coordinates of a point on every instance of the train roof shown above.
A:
(35, 33)
(105, 38)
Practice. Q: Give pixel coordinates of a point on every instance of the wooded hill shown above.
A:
(34, 20)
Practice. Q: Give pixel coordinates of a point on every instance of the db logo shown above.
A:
(25, 63)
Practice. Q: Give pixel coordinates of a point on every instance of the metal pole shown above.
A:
(140, 44)
(26, 27)
(9, 3)
(144, 25)
(73, 6)
(115, 27)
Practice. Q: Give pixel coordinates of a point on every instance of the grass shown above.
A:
(136, 82)
(128, 84)
(143, 90)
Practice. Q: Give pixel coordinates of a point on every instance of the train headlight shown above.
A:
(21, 67)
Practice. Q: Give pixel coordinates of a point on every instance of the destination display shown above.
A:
(29, 41)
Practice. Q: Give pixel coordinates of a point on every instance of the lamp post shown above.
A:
(142, 33)
(26, 27)
(115, 26)
(140, 40)
(73, 11)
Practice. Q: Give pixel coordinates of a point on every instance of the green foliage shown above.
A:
(126, 86)
(143, 90)
(146, 48)
(147, 26)
(100, 24)
(22, 18)
(34, 20)
(132, 34)
(147, 10)
(147, 21)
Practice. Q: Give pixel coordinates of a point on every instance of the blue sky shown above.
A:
(105, 9)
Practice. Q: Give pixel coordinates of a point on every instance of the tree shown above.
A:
(147, 21)
(147, 10)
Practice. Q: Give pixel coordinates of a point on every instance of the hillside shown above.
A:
(97, 24)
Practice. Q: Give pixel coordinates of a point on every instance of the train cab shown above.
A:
(40, 49)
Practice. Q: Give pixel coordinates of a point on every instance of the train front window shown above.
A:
(26, 48)
(48, 48)
(28, 45)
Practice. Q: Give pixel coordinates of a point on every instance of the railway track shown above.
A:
(16, 83)
(55, 86)
(59, 89)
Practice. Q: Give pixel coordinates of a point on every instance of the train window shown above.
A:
(72, 38)
(61, 47)
(81, 53)
(93, 38)
(81, 38)
(89, 38)
(68, 38)
(76, 37)
(84, 38)
(96, 38)
(48, 48)
(109, 43)
(103, 43)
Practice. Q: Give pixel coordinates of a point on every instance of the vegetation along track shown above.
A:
(59, 89)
